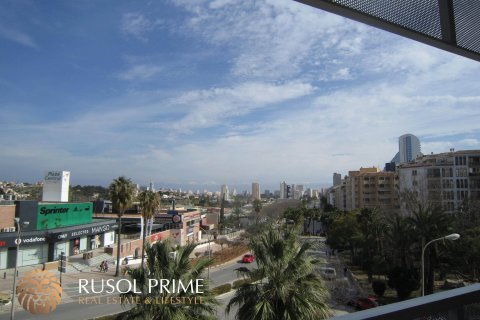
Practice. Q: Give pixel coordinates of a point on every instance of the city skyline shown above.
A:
(183, 93)
(212, 188)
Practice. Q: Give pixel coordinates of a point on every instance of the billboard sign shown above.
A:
(56, 185)
(53, 176)
(167, 218)
(58, 215)
(86, 231)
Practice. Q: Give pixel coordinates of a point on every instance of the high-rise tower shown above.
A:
(256, 190)
(224, 193)
(283, 190)
(408, 149)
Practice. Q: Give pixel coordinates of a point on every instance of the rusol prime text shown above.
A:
(161, 286)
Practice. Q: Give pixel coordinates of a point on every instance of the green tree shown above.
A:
(307, 215)
(399, 241)
(470, 245)
(429, 222)
(221, 222)
(162, 265)
(372, 225)
(327, 218)
(326, 207)
(316, 213)
(121, 195)
(237, 211)
(257, 207)
(464, 253)
(287, 286)
(149, 202)
(295, 215)
(344, 233)
(404, 281)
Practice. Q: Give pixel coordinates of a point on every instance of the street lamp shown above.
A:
(209, 250)
(17, 242)
(452, 237)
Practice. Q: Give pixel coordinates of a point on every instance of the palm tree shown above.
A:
(429, 222)
(121, 195)
(317, 213)
(287, 286)
(149, 202)
(399, 241)
(237, 211)
(257, 207)
(162, 265)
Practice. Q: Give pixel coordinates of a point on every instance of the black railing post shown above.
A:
(447, 21)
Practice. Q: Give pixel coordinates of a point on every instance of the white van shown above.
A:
(328, 273)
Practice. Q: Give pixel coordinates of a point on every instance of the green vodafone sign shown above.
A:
(57, 215)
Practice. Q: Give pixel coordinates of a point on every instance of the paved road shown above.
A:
(223, 300)
(71, 311)
(73, 308)
(318, 250)
(227, 273)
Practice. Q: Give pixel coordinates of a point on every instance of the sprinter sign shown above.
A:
(57, 215)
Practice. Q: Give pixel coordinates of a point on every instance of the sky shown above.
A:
(203, 93)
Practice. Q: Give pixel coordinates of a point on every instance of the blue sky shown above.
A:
(196, 93)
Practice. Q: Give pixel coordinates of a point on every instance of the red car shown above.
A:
(366, 303)
(248, 258)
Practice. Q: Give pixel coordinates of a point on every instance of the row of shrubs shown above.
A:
(224, 288)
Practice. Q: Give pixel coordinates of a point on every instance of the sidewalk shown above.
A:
(70, 280)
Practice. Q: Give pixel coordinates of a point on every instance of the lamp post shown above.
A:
(452, 237)
(17, 242)
(209, 250)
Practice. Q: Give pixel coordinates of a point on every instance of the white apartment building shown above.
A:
(447, 179)
(225, 193)
(408, 149)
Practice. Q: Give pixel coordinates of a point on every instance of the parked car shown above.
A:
(328, 273)
(248, 258)
(366, 303)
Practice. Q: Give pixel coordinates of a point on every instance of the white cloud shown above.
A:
(275, 39)
(137, 25)
(342, 74)
(17, 36)
(274, 114)
(217, 4)
(140, 72)
(208, 108)
(470, 142)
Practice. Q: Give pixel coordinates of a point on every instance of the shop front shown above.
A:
(43, 246)
(33, 250)
(78, 239)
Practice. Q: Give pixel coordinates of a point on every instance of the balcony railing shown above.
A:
(457, 304)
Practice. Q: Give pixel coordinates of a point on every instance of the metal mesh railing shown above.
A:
(452, 25)
(421, 16)
(436, 316)
(467, 24)
(472, 311)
